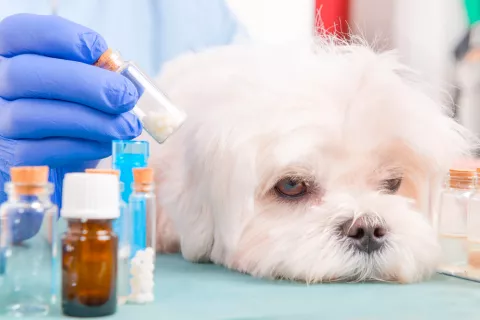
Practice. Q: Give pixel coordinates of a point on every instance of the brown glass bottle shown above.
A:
(89, 268)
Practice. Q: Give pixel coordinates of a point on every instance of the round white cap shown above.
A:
(90, 196)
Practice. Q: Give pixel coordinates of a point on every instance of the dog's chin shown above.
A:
(307, 245)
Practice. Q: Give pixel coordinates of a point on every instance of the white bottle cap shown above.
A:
(90, 196)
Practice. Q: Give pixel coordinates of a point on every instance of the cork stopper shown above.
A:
(103, 171)
(143, 178)
(109, 60)
(29, 180)
(461, 178)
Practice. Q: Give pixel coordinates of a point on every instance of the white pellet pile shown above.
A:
(142, 268)
(161, 125)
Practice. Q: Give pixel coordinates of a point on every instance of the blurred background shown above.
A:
(439, 39)
(424, 32)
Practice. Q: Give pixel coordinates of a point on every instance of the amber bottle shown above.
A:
(89, 245)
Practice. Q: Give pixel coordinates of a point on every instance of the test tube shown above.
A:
(142, 206)
(158, 115)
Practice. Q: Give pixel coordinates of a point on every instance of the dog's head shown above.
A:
(310, 165)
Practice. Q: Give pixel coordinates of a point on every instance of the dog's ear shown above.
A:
(183, 219)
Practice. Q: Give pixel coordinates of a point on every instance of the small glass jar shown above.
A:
(90, 245)
(27, 282)
(158, 115)
(142, 204)
(452, 220)
(473, 231)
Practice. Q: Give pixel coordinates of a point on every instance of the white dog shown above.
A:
(303, 163)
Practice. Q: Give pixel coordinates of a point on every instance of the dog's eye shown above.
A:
(291, 188)
(391, 185)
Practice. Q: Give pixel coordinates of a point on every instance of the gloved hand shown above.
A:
(57, 109)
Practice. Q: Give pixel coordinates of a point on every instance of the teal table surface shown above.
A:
(202, 291)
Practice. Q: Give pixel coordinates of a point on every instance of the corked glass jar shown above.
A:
(452, 220)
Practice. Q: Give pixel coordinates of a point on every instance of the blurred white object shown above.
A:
(276, 22)
(469, 82)
(425, 34)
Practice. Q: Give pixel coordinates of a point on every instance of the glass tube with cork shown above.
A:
(142, 204)
(452, 221)
(158, 115)
(27, 257)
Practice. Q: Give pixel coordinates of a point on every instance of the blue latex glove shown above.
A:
(57, 109)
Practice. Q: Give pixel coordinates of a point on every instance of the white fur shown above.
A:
(340, 114)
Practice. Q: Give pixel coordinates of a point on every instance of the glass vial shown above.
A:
(473, 231)
(159, 117)
(122, 228)
(126, 155)
(26, 256)
(142, 205)
(452, 220)
(89, 245)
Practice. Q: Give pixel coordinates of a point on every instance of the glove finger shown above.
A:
(54, 152)
(40, 118)
(33, 76)
(51, 36)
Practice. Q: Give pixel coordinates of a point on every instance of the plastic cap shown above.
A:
(29, 180)
(104, 171)
(90, 196)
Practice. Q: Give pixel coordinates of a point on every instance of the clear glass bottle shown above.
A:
(27, 282)
(158, 115)
(473, 231)
(142, 205)
(452, 220)
(89, 245)
(122, 228)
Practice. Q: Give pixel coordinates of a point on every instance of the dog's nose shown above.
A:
(367, 235)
